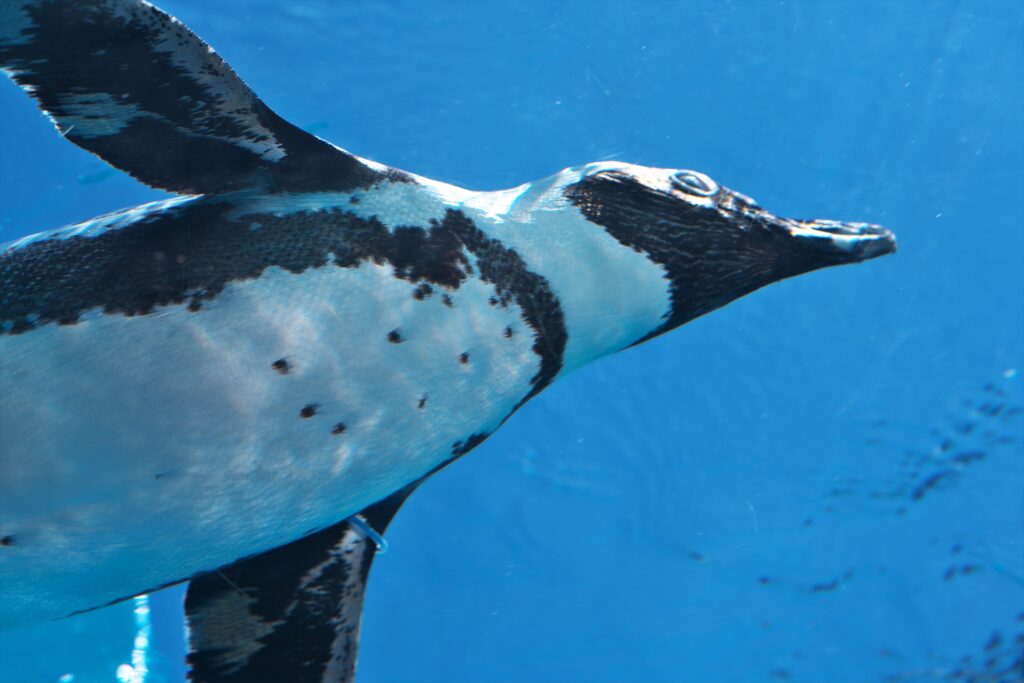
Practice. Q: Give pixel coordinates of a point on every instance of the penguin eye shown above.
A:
(695, 183)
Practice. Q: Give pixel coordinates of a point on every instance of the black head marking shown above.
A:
(715, 244)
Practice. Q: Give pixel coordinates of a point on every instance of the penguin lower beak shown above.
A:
(849, 242)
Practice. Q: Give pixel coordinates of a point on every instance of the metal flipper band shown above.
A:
(363, 526)
(292, 614)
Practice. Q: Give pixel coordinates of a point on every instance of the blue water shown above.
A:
(821, 482)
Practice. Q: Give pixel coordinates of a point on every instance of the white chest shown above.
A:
(141, 446)
(140, 450)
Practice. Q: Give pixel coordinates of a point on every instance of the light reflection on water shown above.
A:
(138, 670)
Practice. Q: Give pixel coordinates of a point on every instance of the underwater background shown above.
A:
(823, 482)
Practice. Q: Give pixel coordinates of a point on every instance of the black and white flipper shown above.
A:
(133, 85)
(291, 614)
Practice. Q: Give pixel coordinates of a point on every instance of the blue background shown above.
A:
(748, 498)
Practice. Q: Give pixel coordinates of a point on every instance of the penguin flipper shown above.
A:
(291, 614)
(133, 85)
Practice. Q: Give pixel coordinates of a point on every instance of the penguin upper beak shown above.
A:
(849, 242)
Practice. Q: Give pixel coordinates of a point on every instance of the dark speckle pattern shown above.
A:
(338, 429)
(513, 281)
(308, 410)
(55, 281)
(464, 358)
(282, 366)
(422, 403)
(6, 541)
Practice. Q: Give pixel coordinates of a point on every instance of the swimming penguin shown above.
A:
(239, 387)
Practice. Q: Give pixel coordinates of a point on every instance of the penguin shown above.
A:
(238, 387)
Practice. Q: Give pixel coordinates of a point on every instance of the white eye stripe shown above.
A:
(694, 182)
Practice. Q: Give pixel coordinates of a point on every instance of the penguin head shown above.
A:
(714, 243)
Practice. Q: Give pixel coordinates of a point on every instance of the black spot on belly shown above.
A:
(57, 280)
(6, 541)
(394, 337)
(464, 358)
(281, 365)
(308, 410)
(338, 428)
(513, 281)
(422, 402)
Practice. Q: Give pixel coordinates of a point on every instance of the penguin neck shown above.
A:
(611, 295)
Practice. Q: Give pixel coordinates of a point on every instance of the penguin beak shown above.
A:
(845, 242)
